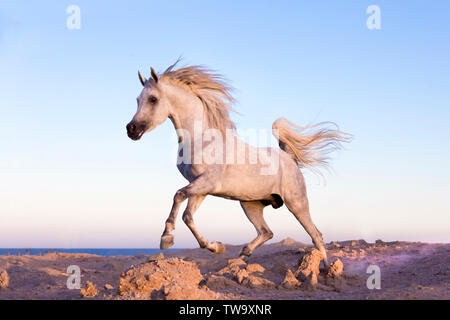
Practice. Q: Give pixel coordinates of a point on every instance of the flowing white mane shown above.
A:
(210, 88)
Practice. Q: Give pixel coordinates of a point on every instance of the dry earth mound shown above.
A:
(164, 279)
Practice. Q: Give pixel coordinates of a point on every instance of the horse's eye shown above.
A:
(152, 99)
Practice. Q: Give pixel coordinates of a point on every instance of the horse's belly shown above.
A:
(247, 187)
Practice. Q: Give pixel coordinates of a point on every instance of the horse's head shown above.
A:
(152, 110)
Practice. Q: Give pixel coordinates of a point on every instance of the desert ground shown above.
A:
(284, 270)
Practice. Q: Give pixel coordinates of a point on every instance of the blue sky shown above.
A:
(70, 177)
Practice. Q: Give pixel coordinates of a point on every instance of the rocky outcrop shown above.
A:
(89, 291)
(290, 281)
(258, 282)
(178, 291)
(308, 269)
(164, 279)
(336, 269)
(411, 270)
(255, 268)
(238, 271)
(4, 279)
(216, 282)
(109, 287)
(156, 257)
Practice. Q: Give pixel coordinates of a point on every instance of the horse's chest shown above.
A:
(189, 171)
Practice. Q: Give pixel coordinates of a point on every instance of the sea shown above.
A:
(97, 251)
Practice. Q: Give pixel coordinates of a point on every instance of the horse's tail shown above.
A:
(310, 145)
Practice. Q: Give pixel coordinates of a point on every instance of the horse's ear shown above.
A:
(154, 75)
(142, 78)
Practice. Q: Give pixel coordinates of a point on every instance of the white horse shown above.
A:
(193, 98)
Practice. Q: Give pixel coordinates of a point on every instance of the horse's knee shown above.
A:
(179, 196)
(267, 234)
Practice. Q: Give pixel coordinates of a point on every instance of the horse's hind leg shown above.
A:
(298, 205)
(192, 206)
(254, 212)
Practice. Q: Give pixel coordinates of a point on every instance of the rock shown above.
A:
(90, 290)
(156, 257)
(308, 269)
(290, 281)
(258, 282)
(230, 272)
(241, 275)
(240, 272)
(4, 279)
(340, 253)
(236, 262)
(108, 287)
(166, 279)
(175, 291)
(254, 267)
(336, 269)
(233, 269)
(311, 279)
(216, 282)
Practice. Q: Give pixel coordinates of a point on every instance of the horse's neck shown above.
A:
(189, 119)
(187, 115)
(186, 122)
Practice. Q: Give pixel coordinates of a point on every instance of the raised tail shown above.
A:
(309, 146)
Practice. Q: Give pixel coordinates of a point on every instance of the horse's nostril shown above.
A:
(131, 127)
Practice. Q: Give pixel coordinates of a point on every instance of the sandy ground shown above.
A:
(409, 270)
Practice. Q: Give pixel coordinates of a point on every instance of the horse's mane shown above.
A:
(210, 88)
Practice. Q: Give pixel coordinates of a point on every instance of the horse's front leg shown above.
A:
(167, 237)
(192, 206)
(197, 190)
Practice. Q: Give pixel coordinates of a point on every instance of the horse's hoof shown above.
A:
(166, 242)
(244, 258)
(245, 252)
(219, 248)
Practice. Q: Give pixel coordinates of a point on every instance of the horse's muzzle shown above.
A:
(135, 131)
